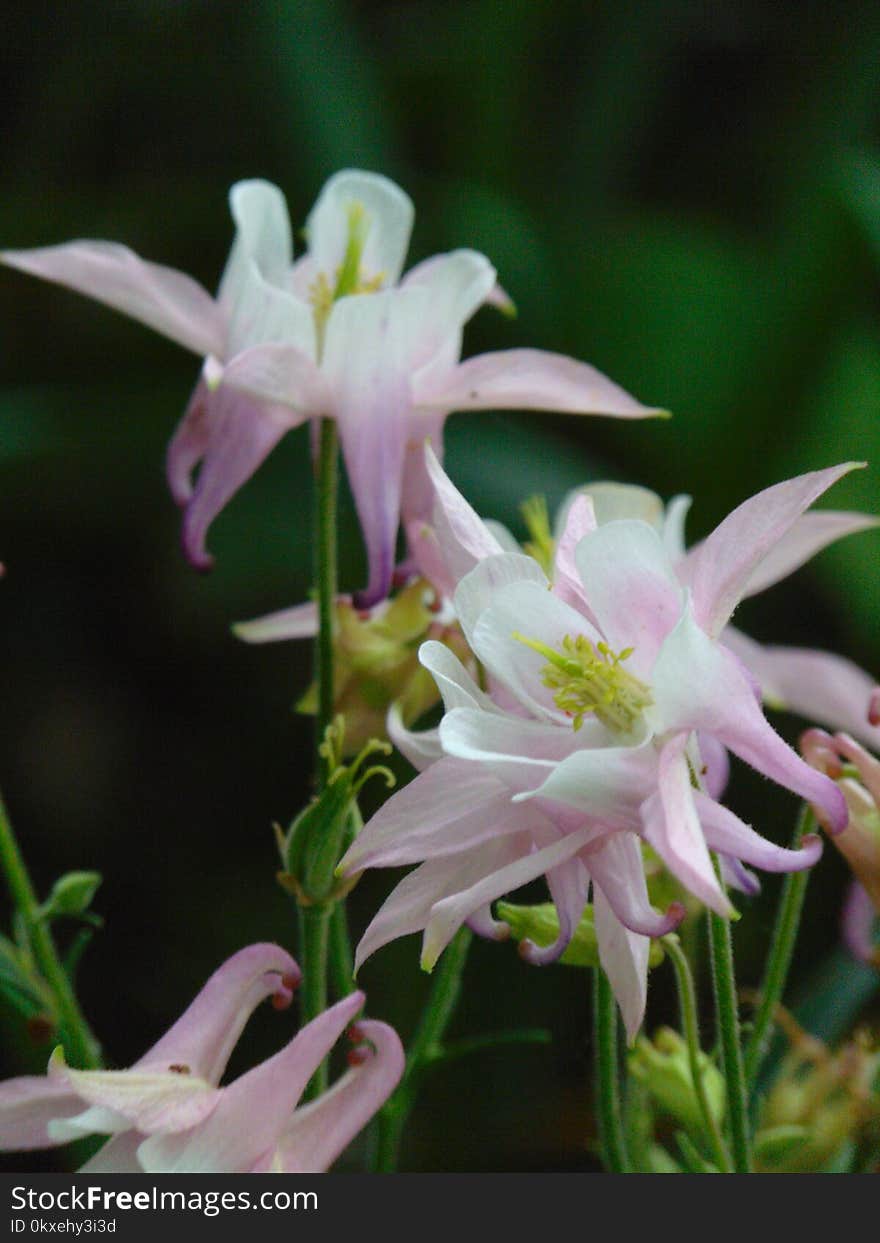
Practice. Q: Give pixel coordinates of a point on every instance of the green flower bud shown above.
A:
(663, 1068)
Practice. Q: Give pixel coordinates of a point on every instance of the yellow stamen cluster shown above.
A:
(541, 544)
(588, 680)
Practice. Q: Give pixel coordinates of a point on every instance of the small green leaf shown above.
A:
(71, 895)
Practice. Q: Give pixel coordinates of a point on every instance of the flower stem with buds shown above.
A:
(82, 1047)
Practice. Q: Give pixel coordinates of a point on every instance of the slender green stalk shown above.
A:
(435, 1019)
(609, 1114)
(81, 1046)
(776, 968)
(727, 1015)
(314, 936)
(688, 1003)
(325, 580)
(341, 961)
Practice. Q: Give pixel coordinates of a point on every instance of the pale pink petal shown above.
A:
(27, 1105)
(408, 907)
(609, 783)
(725, 832)
(282, 374)
(118, 1156)
(457, 284)
(631, 589)
(567, 584)
(299, 622)
(715, 765)
(421, 747)
(821, 686)
(388, 222)
(720, 570)
(207, 1031)
(450, 913)
(700, 685)
(455, 684)
(617, 868)
(320, 1131)
(263, 314)
(463, 537)
(479, 587)
(624, 958)
(673, 527)
(672, 828)
(417, 498)
(613, 502)
(253, 1111)
(518, 751)
(165, 300)
(262, 225)
(526, 380)
(232, 435)
(448, 808)
(148, 1100)
(366, 353)
(808, 535)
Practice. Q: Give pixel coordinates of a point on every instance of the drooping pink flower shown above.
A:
(606, 690)
(167, 1114)
(337, 334)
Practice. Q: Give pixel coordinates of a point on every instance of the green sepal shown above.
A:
(777, 1143)
(71, 895)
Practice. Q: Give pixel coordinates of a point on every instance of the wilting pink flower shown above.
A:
(167, 1114)
(336, 334)
(607, 689)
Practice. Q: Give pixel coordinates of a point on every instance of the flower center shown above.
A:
(349, 278)
(587, 679)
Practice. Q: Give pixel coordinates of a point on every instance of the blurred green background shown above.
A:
(686, 195)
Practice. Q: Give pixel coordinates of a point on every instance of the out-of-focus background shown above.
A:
(687, 196)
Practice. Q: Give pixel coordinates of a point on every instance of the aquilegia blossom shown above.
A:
(337, 334)
(166, 1114)
(607, 693)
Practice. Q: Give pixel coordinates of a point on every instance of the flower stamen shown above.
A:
(588, 680)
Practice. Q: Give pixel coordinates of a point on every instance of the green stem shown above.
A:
(341, 961)
(782, 944)
(81, 1046)
(436, 1017)
(314, 935)
(609, 1114)
(688, 1003)
(325, 581)
(724, 985)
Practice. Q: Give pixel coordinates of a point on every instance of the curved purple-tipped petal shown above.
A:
(624, 958)
(727, 833)
(165, 300)
(450, 913)
(27, 1105)
(820, 686)
(700, 685)
(618, 870)
(720, 570)
(737, 876)
(715, 771)
(672, 828)
(232, 435)
(319, 1132)
(569, 884)
(253, 1111)
(526, 380)
(206, 1033)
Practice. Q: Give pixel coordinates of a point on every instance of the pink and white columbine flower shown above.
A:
(167, 1114)
(337, 334)
(607, 690)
